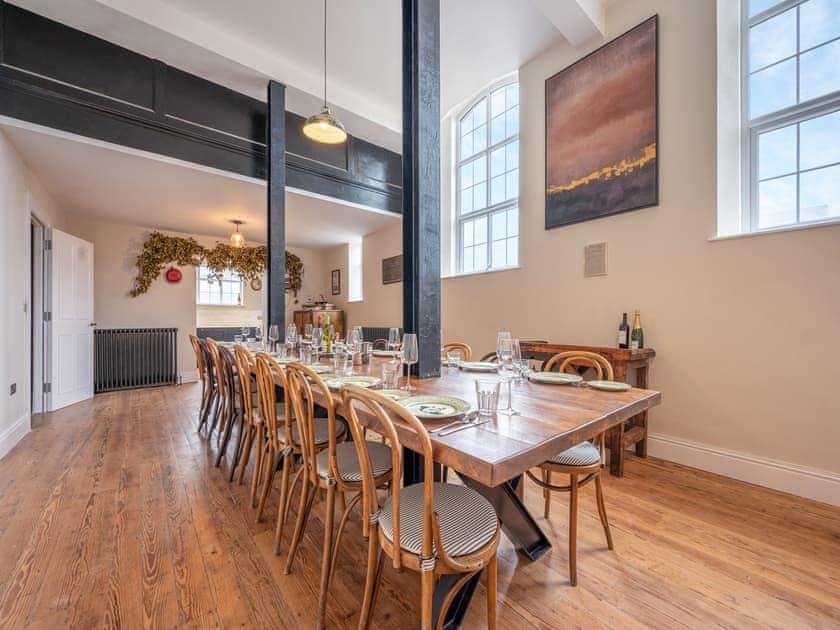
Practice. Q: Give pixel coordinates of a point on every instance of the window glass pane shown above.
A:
(480, 230)
(497, 102)
(480, 196)
(512, 123)
(513, 251)
(777, 202)
(773, 40)
(513, 222)
(777, 152)
(466, 175)
(819, 71)
(497, 162)
(512, 155)
(467, 259)
(467, 232)
(499, 253)
(757, 6)
(466, 200)
(480, 257)
(480, 169)
(512, 95)
(499, 225)
(819, 21)
(512, 191)
(820, 194)
(479, 112)
(819, 141)
(497, 190)
(773, 88)
(497, 129)
(480, 138)
(467, 123)
(466, 146)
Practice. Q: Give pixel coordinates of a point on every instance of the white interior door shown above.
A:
(72, 323)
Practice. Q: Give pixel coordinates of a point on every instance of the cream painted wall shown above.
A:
(746, 331)
(18, 187)
(381, 304)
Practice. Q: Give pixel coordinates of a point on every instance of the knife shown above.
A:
(461, 428)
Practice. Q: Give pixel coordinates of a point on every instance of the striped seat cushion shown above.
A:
(322, 431)
(467, 520)
(348, 463)
(583, 454)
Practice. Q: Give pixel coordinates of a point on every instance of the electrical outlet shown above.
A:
(12, 389)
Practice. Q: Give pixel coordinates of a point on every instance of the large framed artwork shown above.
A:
(601, 131)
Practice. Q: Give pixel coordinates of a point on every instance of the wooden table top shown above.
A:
(553, 418)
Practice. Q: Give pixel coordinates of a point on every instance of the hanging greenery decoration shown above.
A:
(160, 250)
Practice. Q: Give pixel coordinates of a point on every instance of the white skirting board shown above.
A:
(811, 483)
(189, 377)
(14, 434)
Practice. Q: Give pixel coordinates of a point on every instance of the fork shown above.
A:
(467, 419)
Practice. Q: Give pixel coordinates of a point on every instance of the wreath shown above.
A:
(160, 250)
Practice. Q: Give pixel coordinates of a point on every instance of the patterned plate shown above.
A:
(609, 386)
(435, 407)
(320, 368)
(554, 378)
(479, 366)
(334, 381)
(394, 394)
(385, 353)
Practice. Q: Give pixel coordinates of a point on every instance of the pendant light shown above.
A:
(323, 126)
(237, 239)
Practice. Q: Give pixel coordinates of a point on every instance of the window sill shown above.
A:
(219, 305)
(355, 301)
(480, 273)
(778, 230)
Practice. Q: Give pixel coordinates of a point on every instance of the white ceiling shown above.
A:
(90, 178)
(243, 43)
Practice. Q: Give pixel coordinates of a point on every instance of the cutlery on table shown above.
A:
(467, 419)
(461, 428)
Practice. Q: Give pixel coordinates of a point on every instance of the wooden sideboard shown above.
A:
(310, 315)
(634, 431)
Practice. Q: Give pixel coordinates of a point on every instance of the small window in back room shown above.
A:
(218, 289)
(354, 266)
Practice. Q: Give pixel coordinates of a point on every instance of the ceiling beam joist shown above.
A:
(577, 20)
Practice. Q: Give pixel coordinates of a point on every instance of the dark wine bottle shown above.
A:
(637, 337)
(624, 333)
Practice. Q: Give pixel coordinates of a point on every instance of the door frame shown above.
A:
(37, 303)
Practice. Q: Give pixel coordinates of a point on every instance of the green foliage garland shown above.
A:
(160, 250)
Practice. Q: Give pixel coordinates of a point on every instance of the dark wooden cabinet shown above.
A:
(310, 316)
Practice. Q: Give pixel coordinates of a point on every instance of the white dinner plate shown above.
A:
(334, 381)
(394, 394)
(479, 366)
(554, 378)
(435, 407)
(385, 353)
(609, 386)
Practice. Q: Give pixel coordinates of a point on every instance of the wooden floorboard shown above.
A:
(112, 515)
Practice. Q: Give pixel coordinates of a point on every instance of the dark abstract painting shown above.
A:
(601, 131)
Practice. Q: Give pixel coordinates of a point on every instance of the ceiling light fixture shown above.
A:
(323, 126)
(237, 239)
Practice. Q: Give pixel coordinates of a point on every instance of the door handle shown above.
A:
(92, 324)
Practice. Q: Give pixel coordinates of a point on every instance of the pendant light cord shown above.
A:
(325, 53)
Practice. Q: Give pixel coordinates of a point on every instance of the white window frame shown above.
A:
(200, 272)
(752, 128)
(458, 218)
(355, 271)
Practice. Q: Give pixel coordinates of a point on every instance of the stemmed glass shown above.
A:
(393, 338)
(409, 356)
(317, 340)
(354, 339)
(307, 331)
(273, 336)
(505, 354)
(246, 332)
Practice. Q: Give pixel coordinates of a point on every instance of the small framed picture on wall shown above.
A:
(336, 281)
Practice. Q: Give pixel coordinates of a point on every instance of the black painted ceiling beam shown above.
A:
(276, 207)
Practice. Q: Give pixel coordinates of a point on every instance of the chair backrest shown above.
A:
(302, 380)
(457, 346)
(566, 362)
(227, 365)
(380, 344)
(199, 355)
(243, 367)
(385, 411)
(213, 349)
(267, 370)
(491, 357)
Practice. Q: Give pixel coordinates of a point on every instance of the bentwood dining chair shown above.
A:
(336, 470)
(223, 403)
(457, 346)
(433, 528)
(231, 387)
(205, 375)
(583, 462)
(254, 429)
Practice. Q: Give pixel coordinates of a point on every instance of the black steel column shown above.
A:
(276, 187)
(421, 179)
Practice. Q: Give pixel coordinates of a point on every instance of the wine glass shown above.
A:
(409, 356)
(273, 335)
(354, 339)
(246, 332)
(393, 338)
(506, 358)
(500, 337)
(317, 341)
(307, 331)
(291, 333)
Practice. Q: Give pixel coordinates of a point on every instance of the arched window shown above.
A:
(487, 182)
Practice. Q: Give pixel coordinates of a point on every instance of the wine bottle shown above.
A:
(624, 333)
(637, 337)
(327, 337)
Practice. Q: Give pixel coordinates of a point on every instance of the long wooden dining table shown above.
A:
(493, 457)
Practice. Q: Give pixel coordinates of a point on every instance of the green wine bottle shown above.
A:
(637, 337)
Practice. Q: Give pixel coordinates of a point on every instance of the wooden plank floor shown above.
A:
(112, 515)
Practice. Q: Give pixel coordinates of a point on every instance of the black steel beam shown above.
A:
(421, 179)
(276, 187)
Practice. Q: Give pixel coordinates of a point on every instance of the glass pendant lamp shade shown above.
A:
(324, 127)
(237, 239)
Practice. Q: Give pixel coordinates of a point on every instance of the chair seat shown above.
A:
(467, 520)
(322, 431)
(583, 454)
(348, 462)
